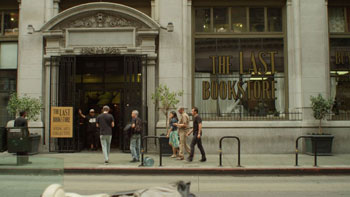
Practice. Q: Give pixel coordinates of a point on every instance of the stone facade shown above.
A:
(170, 60)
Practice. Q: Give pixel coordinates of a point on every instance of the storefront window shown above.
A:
(339, 61)
(239, 19)
(202, 20)
(256, 19)
(8, 55)
(220, 20)
(336, 19)
(274, 18)
(340, 77)
(240, 78)
(9, 23)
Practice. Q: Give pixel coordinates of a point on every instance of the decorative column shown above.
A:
(314, 52)
(294, 55)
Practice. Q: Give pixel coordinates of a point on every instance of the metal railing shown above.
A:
(339, 116)
(297, 150)
(292, 116)
(143, 150)
(239, 149)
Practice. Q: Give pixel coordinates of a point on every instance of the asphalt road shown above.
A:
(203, 186)
(215, 186)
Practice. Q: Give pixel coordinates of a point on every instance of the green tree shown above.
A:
(166, 100)
(320, 107)
(31, 105)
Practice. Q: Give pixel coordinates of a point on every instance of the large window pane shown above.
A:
(340, 77)
(238, 78)
(8, 55)
(336, 19)
(239, 19)
(11, 23)
(221, 20)
(256, 19)
(274, 17)
(202, 20)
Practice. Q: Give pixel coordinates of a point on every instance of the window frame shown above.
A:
(247, 34)
(229, 14)
(335, 35)
(4, 37)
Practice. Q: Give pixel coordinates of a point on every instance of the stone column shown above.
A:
(294, 55)
(30, 65)
(314, 51)
(175, 48)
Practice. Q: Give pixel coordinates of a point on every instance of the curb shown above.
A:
(180, 171)
(211, 171)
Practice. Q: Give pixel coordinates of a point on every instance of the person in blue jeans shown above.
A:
(135, 140)
(105, 122)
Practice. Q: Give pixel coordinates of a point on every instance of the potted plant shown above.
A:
(321, 107)
(166, 100)
(32, 106)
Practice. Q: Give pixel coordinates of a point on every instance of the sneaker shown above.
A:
(180, 158)
(189, 159)
(203, 160)
(133, 160)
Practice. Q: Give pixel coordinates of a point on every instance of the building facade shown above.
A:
(249, 66)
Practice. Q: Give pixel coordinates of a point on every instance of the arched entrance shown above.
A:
(99, 54)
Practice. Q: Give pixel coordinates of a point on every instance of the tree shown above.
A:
(320, 107)
(25, 103)
(166, 100)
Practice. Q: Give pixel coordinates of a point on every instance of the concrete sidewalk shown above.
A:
(93, 162)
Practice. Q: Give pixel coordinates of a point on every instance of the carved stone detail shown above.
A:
(99, 50)
(100, 20)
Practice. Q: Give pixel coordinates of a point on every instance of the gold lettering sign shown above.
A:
(61, 122)
(263, 88)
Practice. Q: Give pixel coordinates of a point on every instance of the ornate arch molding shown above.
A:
(100, 28)
(106, 15)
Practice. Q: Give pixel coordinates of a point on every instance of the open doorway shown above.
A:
(91, 82)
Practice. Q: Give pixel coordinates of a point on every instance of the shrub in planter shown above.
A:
(321, 107)
(31, 105)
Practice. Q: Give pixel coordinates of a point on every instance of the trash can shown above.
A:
(164, 145)
(20, 141)
(3, 139)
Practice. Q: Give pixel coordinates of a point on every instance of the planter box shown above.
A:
(324, 145)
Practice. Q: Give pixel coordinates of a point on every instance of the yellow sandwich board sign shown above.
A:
(61, 122)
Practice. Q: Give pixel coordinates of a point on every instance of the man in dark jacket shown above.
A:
(135, 140)
(21, 121)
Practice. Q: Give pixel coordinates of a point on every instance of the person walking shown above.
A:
(135, 139)
(172, 133)
(105, 122)
(183, 127)
(91, 129)
(197, 135)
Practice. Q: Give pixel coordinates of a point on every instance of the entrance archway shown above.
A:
(97, 30)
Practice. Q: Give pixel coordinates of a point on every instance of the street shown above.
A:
(203, 186)
(214, 186)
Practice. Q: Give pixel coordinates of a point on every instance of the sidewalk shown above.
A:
(93, 162)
